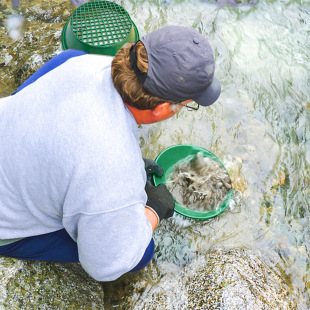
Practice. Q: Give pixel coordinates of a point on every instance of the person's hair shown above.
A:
(126, 82)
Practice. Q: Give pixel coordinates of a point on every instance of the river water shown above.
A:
(259, 128)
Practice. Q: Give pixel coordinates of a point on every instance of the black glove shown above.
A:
(152, 167)
(160, 200)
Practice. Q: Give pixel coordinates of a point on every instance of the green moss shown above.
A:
(43, 285)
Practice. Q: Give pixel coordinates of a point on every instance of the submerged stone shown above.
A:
(235, 279)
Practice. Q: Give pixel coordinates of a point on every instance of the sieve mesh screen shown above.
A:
(101, 23)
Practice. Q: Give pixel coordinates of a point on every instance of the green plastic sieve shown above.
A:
(172, 155)
(99, 27)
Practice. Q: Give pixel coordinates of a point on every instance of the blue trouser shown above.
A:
(57, 246)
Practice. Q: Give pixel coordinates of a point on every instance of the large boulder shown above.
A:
(43, 285)
(234, 279)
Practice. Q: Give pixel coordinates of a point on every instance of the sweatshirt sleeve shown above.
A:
(111, 244)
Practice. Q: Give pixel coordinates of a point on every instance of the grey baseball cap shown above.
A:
(181, 65)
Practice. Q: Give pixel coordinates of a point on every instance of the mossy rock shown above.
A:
(39, 40)
(44, 285)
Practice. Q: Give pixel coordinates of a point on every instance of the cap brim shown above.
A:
(211, 94)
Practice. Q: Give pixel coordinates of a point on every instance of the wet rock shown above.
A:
(234, 166)
(43, 285)
(236, 279)
(38, 41)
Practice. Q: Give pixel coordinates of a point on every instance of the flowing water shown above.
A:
(259, 128)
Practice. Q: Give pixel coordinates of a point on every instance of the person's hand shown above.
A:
(152, 167)
(160, 200)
